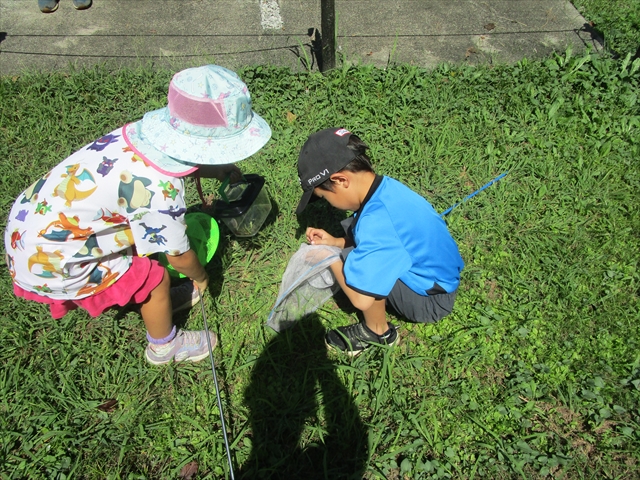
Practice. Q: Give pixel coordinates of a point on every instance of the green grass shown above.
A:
(536, 373)
(617, 20)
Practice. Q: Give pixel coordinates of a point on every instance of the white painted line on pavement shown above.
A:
(270, 13)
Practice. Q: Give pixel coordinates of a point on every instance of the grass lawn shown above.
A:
(535, 374)
(617, 20)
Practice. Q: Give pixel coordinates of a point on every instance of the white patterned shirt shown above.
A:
(74, 232)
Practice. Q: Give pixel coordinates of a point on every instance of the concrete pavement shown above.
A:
(234, 33)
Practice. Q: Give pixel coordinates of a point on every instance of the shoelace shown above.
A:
(190, 337)
(360, 330)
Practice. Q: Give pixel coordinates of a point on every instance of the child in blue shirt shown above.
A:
(396, 250)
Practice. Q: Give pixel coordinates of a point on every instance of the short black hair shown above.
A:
(361, 163)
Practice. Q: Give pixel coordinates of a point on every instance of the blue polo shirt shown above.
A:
(398, 235)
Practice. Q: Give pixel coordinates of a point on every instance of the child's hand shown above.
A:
(202, 285)
(317, 236)
(220, 172)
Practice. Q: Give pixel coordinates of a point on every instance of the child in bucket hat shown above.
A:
(396, 250)
(81, 235)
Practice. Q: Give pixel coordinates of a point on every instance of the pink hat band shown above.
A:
(204, 112)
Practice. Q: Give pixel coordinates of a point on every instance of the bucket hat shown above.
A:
(208, 121)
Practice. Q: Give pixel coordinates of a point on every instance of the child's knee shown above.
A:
(164, 286)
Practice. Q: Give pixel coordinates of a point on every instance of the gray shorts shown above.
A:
(414, 307)
(418, 308)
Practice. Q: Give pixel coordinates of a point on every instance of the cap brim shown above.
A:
(304, 201)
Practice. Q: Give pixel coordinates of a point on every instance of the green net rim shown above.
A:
(205, 246)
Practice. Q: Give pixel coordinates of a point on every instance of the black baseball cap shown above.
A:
(323, 154)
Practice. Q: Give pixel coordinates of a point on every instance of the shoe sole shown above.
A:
(188, 359)
(50, 10)
(355, 353)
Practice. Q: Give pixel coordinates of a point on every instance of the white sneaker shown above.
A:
(187, 346)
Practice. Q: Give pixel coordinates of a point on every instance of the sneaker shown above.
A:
(184, 296)
(48, 6)
(187, 346)
(81, 4)
(354, 339)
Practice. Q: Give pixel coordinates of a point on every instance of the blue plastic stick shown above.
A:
(474, 193)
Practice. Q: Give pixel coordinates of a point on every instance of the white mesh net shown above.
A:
(306, 284)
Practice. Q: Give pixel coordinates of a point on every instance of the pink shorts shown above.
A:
(134, 286)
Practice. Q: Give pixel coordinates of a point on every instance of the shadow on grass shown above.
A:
(304, 423)
(320, 214)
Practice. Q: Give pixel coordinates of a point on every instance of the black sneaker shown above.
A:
(354, 339)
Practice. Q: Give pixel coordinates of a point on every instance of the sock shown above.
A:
(161, 346)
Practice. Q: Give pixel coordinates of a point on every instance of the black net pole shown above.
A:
(328, 27)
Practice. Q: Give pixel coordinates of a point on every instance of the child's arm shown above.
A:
(317, 236)
(189, 265)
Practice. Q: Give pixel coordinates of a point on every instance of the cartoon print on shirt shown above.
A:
(174, 211)
(106, 165)
(43, 207)
(10, 265)
(90, 248)
(133, 191)
(98, 280)
(154, 234)
(69, 229)
(102, 143)
(67, 188)
(139, 215)
(124, 237)
(49, 263)
(109, 217)
(31, 193)
(42, 288)
(168, 190)
(17, 243)
(85, 213)
(135, 157)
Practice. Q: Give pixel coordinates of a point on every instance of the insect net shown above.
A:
(306, 284)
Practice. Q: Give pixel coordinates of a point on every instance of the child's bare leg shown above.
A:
(166, 344)
(156, 310)
(376, 317)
